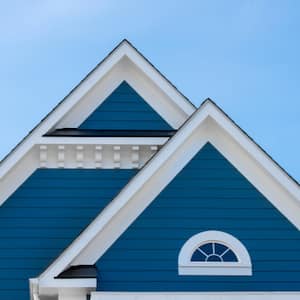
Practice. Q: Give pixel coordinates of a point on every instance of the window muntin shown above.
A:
(214, 251)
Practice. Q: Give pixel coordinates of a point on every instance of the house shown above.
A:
(126, 191)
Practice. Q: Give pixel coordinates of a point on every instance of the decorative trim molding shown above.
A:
(117, 157)
(43, 156)
(95, 156)
(135, 156)
(98, 156)
(96, 151)
(122, 61)
(60, 156)
(80, 156)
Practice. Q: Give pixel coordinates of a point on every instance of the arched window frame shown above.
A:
(187, 267)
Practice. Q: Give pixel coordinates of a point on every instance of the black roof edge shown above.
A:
(81, 271)
(248, 136)
(74, 132)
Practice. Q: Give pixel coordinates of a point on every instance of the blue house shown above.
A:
(126, 191)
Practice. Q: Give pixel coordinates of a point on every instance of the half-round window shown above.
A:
(214, 253)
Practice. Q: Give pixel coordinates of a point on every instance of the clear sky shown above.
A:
(243, 54)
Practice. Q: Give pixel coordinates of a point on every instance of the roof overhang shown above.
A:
(123, 63)
(208, 124)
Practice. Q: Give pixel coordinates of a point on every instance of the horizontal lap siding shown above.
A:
(208, 194)
(124, 109)
(44, 216)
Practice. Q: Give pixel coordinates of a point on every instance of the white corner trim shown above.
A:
(34, 289)
(195, 296)
(158, 79)
(188, 267)
(201, 128)
(85, 88)
(253, 150)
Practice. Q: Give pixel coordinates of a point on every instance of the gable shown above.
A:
(46, 213)
(208, 124)
(125, 109)
(126, 92)
(123, 63)
(208, 194)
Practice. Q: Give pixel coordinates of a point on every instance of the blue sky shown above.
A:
(242, 54)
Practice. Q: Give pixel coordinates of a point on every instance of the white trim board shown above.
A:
(70, 283)
(103, 141)
(35, 157)
(95, 156)
(109, 73)
(208, 124)
(195, 296)
(141, 83)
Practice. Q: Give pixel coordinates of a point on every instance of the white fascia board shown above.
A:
(175, 154)
(69, 283)
(123, 50)
(103, 140)
(253, 149)
(125, 70)
(158, 79)
(58, 112)
(195, 296)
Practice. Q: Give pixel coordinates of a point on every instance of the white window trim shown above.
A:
(188, 267)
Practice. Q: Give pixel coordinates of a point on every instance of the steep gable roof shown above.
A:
(208, 124)
(207, 196)
(195, 129)
(54, 119)
(123, 63)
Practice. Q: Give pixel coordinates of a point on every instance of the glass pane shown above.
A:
(198, 256)
(220, 248)
(229, 256)
(214, 252)
(207, 248)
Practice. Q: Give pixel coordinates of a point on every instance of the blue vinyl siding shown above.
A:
(44, 216)
(208, 194)
(125, 109)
